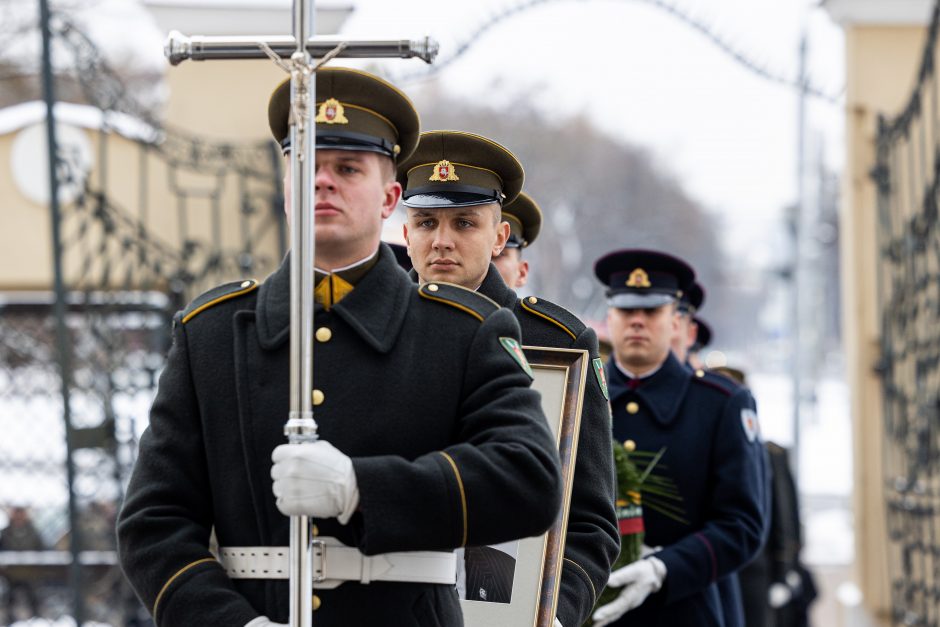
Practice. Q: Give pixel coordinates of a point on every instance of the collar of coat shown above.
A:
(375, 309)
(492, 287)
(496, 289)
(661, 394)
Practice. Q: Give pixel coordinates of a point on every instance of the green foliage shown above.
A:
(638, 487)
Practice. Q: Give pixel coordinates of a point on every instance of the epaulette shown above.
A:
(467, 301)
(217, 295)
(717, 381)
(556, 314)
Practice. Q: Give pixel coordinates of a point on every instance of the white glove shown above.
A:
(314, 479)
(639, 580)
(557, 623)
(264, 621)
(646, 551)
(778, 595)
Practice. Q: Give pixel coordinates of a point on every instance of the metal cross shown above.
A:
(300, 49)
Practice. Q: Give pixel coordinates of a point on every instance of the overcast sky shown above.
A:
(727, 135)
(647, 77)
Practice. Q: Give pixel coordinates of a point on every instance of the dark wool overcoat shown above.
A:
(421, 390)
(592, 541)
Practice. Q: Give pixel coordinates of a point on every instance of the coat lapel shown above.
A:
(375, 309)
(273, 308)
(664, 391)
(661, 394)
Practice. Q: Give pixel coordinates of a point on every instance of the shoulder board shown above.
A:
(217, 295)
(717, 381)
(556, 314)
(467, 301)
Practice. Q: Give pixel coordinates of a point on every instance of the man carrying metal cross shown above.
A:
(430, 438)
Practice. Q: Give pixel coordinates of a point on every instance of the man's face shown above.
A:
(355, 192)
(455, 244)
(641, 338)
(684, 337)
(511, 266)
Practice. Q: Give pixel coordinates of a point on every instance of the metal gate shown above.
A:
(66, 449)
(908, 182)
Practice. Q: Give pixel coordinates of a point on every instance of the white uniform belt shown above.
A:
(335, 563)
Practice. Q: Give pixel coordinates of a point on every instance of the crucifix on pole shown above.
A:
(300, 50)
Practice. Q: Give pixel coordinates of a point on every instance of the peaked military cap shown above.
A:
(525, 221)
(704, 335)
(457, 169)
(642, 279)
(354, 110)
(693, 297)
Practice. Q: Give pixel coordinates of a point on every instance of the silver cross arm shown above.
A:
(179, 47)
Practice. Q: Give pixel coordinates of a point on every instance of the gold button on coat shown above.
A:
(318, 397)
(533, 300)
(632, 408)
(323, 334)
(433, 287)
(316, 603)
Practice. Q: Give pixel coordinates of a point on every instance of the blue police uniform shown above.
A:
(706, 428)
(715, 459)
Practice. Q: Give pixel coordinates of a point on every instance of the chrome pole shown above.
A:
(179, 48)
(300, 426)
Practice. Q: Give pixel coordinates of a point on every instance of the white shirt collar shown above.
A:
(349, 267)
(629, 374)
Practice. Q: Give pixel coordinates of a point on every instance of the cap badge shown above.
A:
(638, 278)
(444, 171)
(331, 112)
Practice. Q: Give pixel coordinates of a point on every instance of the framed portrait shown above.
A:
(515, 584)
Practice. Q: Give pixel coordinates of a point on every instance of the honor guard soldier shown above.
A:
(524, 218)
(430, 436)
(455, 184)
(692, 299)
(707, 430)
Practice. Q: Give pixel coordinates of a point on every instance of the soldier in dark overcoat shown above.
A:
(454, 229)
(430, 436)
(707, 428)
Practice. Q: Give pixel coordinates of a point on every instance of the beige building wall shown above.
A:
(25, 250)
(142, 189)
(884, 40)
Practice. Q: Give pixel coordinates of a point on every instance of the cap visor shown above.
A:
(447, 199)
(632, 300)
(351, 146)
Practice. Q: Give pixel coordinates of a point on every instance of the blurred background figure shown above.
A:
(20, 534)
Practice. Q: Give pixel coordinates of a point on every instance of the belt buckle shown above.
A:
(318, 560)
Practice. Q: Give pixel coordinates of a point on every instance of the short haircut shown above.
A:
(388, 168)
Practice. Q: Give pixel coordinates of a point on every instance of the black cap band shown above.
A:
(451, 195)
(347, 140)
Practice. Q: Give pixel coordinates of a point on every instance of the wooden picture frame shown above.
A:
(560, 377)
